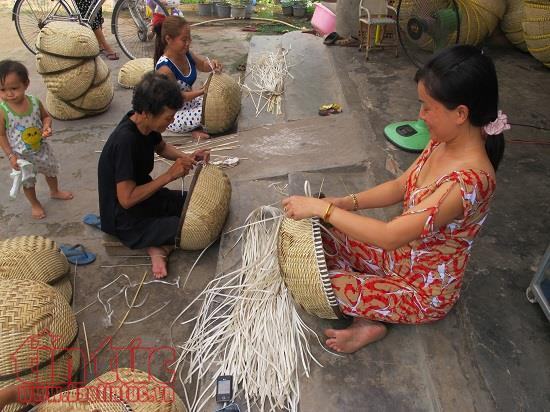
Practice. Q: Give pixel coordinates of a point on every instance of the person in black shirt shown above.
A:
(137, 209)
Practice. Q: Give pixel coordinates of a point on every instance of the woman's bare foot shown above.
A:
(360, 333)
(159, 257)
(37, 211)
(199, 134)
(62, 195)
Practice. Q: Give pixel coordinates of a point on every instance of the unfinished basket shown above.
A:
(67, 39)
(205, 209)
(73, 83)
(511, 24)
(117, 391)
(131, 73)
(38, 342)
(46, 63)
(303, 267)
(221, 103)
(536, 30)
(61, 110)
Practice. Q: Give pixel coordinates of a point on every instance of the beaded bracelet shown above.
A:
(328, 212)
(355, 202)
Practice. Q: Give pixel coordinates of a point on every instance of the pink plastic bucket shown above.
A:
(323, 20)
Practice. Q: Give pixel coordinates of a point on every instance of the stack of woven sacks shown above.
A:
(77, 79)
(35, 258)
(38, 339)
(536, 29)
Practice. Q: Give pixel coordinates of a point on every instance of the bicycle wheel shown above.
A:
(130, 24)
(31, 15)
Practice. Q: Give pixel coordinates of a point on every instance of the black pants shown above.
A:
(153, 222)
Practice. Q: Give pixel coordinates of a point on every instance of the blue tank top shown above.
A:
(185, 82)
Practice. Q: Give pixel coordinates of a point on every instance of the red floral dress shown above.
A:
(421, 281)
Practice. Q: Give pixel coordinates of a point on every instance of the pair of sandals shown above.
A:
(334, 39)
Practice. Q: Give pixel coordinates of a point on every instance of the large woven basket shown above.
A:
(96, 100)
(303, 267)
(35, 258)
(102, 71)
(131, 73)
(61, 110)
(46, 63)
(205, 209)
(67, 39)
(511, 23)
(38, 342)
(536, 30)
(221, 103)
(478, 19)
(73, 83)
(124, 383)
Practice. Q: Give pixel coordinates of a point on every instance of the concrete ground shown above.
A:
(491, 353)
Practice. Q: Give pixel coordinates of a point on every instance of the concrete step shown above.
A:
(315, 80)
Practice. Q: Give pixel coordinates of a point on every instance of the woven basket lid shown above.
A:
(221, 103)
(102, 71)
(67, 39)
(96, 100)
(47, 63)
(72, 83)
(303, 267)
(205, 209)
(61, 110)
(132, 72)
(37, 326)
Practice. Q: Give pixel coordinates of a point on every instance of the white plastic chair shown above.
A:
(377, 13)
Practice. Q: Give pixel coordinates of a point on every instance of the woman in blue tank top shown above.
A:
(174, 59)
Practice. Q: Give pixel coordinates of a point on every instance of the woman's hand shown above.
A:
(302, 207)
(345, 202)
(216, 66)
(201, 155)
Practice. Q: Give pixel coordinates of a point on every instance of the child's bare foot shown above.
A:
(199, 134)
(38, 211)
(158, 260)
(61, 195)
(360, 333)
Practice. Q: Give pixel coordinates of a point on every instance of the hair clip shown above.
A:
(497, 126)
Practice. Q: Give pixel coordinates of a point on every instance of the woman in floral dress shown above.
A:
(410, 270)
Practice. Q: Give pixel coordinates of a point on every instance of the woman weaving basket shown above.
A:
(174, 59)
(410, 270)
(137, 209)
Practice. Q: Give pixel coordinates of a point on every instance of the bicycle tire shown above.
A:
(130, 24)
(30, 16)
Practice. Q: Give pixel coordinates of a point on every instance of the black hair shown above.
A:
(170, 26)
(155, 92)
(463, 75)
(12, 66)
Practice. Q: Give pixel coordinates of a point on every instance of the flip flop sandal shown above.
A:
(331, 38)
(77, 254)
(92, 220)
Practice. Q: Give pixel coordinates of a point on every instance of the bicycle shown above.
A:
(130, 22)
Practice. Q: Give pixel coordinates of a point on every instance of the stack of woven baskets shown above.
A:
(38, 339)
(118, 390)
(536, 29)
(35, 258)
(77, 79)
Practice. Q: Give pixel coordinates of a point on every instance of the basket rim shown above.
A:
(187, 201)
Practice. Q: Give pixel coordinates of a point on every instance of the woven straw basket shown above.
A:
(96, 100)
(511, 24)
(205, 209)
(303, 267)
(124, 382)
(37, 326)
(102, 71)
(35, 258)
(46, 63)
(536, 30)
(67, 39)
(132, 72)
(61, 110)
(221, 103)
(73, 83)
(478, 19)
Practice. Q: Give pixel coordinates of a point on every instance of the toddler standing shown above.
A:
(24, 126)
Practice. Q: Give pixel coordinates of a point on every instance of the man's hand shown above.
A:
(201, 155)
(181, 167)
